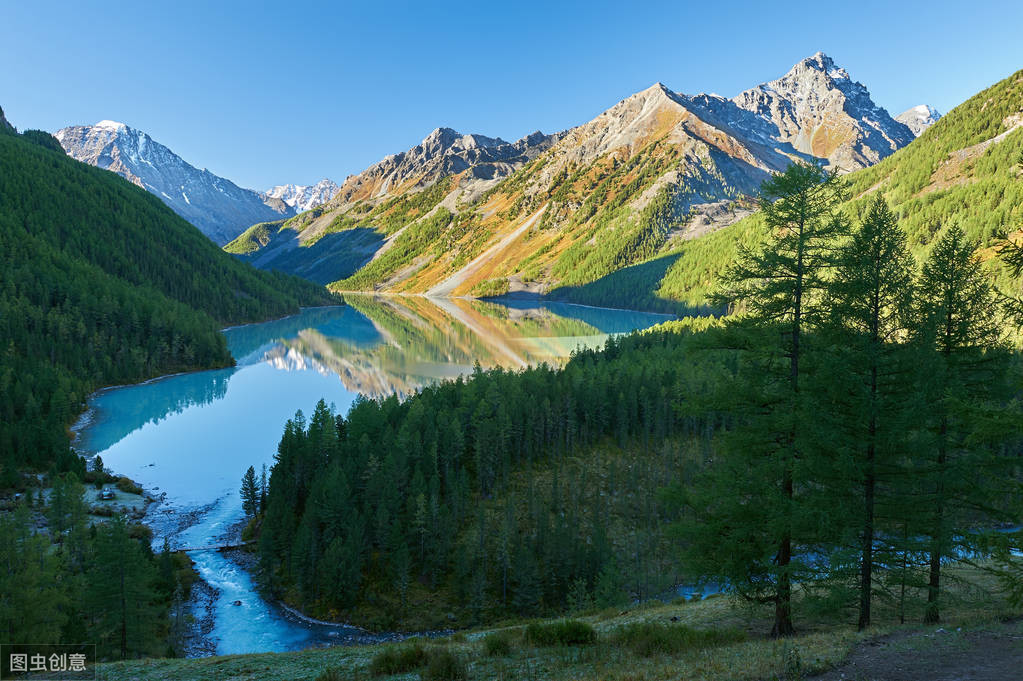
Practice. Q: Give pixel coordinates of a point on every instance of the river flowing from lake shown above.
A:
(188, 439)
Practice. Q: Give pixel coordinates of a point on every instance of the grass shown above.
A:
(714, 639)
(561, 633)
(648, 639)
(710, 640)
(399, 660)
(497, 644)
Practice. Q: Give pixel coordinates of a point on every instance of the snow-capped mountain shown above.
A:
(919, 118)
(218, 207)
(303, 197)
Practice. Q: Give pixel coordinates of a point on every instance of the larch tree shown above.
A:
(957, 319)
(780, 289)
(870, 309)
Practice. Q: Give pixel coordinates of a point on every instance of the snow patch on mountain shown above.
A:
(304, 197)
(919, 118)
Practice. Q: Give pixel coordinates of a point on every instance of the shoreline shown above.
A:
(301, 309)
(538, 298)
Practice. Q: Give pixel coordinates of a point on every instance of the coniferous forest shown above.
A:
(101, 285)
(848, 431)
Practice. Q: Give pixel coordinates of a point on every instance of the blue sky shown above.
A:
(268, 93)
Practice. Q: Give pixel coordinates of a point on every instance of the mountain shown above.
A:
(102, 284)
(5, 126)
(474, 215)
(821, 111)
(303, 197)
(919, 118)
(334, 240)
(218, 207)
(964, 171)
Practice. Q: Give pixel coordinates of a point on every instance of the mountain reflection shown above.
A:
(375, 345)
(424, 340)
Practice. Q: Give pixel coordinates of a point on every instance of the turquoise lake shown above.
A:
(187, 439)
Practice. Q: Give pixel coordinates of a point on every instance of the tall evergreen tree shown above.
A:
(1012, 254)
(119, 594)
(250, 492)
(780, 287)
(32, 605)
(958, 323)
(870, 306)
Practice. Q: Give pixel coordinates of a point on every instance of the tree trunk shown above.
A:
(869, 483)
(867, 559)
(783, 598)
(932, 615)
(124, 617)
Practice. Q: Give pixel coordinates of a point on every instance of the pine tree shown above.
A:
(1012, 254)
(262, 489)
(34, 597)
(119, 594)
(608, 591)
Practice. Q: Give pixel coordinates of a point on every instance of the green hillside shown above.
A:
(964, 170)
(102, 284)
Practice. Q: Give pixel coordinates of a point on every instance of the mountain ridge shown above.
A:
(303, 197)
(656, 169)
(961, 170)
(219, 208)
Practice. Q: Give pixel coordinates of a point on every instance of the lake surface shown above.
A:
(190, 437)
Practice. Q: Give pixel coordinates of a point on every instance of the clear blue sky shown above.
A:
(268, 93)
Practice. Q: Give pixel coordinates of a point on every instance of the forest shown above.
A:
(102, 284)
(840, 438)
(84, 580)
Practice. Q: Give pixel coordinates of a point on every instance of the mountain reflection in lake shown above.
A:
(190, 437)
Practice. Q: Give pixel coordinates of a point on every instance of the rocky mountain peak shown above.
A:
(819, 110)
(443, 152)
(443, 137)
(919, 118)
(824, 64)
(303, 197)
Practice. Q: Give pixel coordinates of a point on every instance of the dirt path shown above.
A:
(988, 653)
(446, 287)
